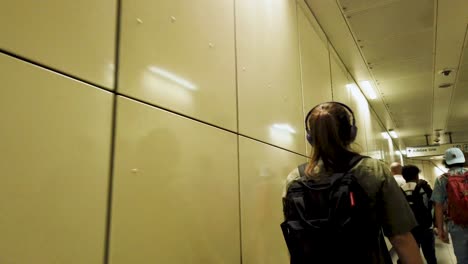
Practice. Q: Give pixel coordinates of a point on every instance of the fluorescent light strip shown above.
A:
(351, 86)
(367, 86)
(385, 135)
(402, 152)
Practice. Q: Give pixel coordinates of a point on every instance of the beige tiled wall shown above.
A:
(176, 193)
(315, 61)
(376, 144)
(269, 75)
(361, 112)
(262, 173)
(180, 55)
(380, 147)
(195, 139)
(340, 81)
(76, 37)
(55, 142)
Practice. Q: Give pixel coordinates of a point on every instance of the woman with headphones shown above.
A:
(338, 203)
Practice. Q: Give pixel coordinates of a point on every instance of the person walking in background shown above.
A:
(418, 194)
(337, 204)
(451, 189)
(396, 168)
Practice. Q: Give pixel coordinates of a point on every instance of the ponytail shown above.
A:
(330, 130)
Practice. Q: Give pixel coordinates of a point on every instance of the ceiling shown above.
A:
(458, 116)
(404, 44)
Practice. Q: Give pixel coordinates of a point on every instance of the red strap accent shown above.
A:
(351, 198)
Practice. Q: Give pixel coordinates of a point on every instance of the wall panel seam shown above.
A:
(107, 239)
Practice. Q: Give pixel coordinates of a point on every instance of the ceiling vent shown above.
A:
(445, 85)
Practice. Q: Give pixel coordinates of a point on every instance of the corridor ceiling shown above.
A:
(402, 46)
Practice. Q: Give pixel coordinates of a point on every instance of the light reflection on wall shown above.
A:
(173, 78)
(363, 116)
(391, 151)
(168, 87)
(265, 172)
(109, 72)
(399, 154)
(285, 127)
(282, 134)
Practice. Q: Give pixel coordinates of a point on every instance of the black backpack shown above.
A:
(329, 220)
(415, 198)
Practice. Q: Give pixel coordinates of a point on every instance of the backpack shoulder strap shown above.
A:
(354, 161)
(421, 185)
(426, 187)
(417, 189)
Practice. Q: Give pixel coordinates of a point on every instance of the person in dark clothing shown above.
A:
(330, 131)
(418, 193)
